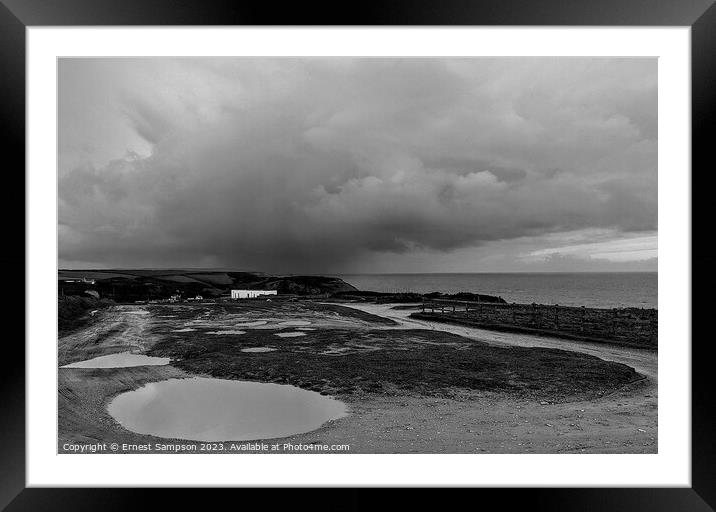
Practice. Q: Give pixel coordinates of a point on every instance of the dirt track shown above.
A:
(117, 329)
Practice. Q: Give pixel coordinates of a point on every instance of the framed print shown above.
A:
(414, 247)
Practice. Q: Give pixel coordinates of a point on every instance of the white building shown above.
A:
(250, 294)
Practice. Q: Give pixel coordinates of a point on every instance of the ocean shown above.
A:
(597, 290)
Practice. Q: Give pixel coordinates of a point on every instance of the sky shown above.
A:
(350, 165)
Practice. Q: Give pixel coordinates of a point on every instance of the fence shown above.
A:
(633, 326)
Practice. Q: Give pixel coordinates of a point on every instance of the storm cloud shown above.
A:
(323, 164)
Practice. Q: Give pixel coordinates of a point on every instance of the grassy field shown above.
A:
(371, 357)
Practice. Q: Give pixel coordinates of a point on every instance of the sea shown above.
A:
(596, 290)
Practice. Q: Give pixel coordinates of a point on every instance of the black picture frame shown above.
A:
(700, 15)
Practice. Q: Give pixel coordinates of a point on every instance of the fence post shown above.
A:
(614, 323)
(556, 316)
(534, 312)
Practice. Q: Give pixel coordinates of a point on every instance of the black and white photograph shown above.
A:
(357, 255)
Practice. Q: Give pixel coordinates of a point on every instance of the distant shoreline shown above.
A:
(593, 290)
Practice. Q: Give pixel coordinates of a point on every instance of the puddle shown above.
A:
(137, 312)
(205, 409)
(290, 334)
(440, 343)
(226, 332)
(295, 323)
(306, 329)
(258, 349)
(120, 360)
(251, 324)
(188, 329)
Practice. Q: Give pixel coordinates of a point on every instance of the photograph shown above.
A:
(357, 255)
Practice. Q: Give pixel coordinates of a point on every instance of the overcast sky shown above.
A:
(330, 165)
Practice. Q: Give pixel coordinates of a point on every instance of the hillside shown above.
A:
(131, 285)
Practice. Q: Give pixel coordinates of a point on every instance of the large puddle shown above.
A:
(120, 360)
(205, 409)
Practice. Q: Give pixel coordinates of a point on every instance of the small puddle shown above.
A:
(206, 409)
(225, 333)
(258, 349)
(120, 360)
(295, 323)
(335, 351)
(188, 329)
(289, 334)
(251, 324)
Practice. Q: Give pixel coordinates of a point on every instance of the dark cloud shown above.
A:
(314, 164)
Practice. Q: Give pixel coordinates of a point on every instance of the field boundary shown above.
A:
(505, 327)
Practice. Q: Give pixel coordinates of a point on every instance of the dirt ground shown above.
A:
(468, 421)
